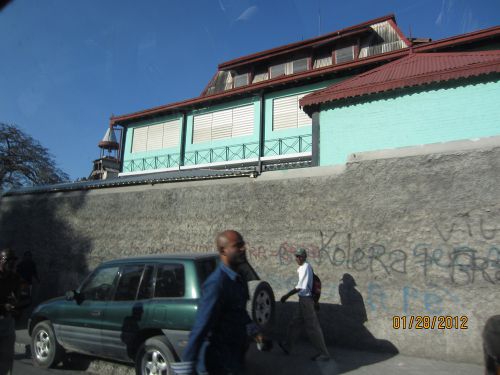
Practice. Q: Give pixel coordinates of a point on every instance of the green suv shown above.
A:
(135, 310)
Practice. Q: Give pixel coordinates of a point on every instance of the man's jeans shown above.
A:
(305, 316)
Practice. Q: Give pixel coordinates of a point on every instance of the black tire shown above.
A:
(261, 306)
(45, 350)
(145, 356)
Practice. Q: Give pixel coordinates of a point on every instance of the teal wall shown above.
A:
(173, 152)
(411, 118)
(279, 142)
(289, 138)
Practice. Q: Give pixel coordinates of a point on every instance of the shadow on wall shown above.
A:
(342, 324)
(60, 253)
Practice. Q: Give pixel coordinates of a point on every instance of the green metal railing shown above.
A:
(288, 145)
(152, 163)
(274, 147)
(222, 154)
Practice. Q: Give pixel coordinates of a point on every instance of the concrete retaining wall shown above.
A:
(420, 234)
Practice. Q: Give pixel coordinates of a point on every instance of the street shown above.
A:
(274, 362)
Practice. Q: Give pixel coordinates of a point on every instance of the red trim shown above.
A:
(452, 41)
(399, 32)
(302, 44)
(281, 80)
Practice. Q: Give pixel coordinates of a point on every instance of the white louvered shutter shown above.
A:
(222, 123)
(171, 133)
(302, 118)
(155, 137)
(139, 139)
(202, 128)
(285, 112)
(243, 121)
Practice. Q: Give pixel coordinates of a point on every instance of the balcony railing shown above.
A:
(274, 147)
(288, 145)
(152, 163)
(222, 154)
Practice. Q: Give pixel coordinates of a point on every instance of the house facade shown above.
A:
(250, 115)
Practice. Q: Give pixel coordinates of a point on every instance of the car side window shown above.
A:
(100, 285)
(170, 280)
(128, 285)
(147, 283)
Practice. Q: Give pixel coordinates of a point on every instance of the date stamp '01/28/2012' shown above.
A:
(430, 322)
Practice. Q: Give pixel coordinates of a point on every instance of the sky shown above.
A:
(66, 66)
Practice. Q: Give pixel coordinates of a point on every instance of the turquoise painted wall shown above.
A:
(412, 118)
(289, 137)
(128, 155)
(290, 141)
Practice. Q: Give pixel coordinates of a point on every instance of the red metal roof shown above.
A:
(187, 104)
(412, 70)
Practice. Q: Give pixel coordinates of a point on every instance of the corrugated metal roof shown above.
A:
(153, 178)
(412, 70)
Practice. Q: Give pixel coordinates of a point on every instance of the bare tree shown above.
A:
(24, 161)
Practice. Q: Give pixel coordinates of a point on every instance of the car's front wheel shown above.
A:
(45, 349)
(154, 357)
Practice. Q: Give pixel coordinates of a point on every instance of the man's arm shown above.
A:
(289, 294)
(208, 312)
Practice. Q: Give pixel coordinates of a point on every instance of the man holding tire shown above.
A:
(218, 340)
(305, 315)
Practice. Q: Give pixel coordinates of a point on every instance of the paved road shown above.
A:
(273, 363)
(23, 366)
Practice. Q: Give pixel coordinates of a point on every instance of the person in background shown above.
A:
(11, 301)
(27, 270)
(491, 345)
(305, 314)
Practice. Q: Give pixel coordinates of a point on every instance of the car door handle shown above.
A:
(96, 313)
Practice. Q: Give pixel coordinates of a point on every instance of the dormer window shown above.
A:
(344, 54)
(241, 80)
(277, 70)
(260, 76)
(291, 67)
(300, 65)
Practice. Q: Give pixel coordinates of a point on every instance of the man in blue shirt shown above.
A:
(218, 340)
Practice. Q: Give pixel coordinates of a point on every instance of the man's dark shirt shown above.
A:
(10, 286)
(222, 319)
(27, 270)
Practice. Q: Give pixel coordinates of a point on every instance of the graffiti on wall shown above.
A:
(463, 264)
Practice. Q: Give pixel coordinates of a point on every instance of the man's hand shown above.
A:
(8, 307)
(284, 298)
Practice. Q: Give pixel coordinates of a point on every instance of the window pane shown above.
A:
(344, 54)
(300, 65)
(129, 283)
(100, 285)
(277, 70)
(147, 284)
(241, 80)
(170, 281)
(205, 268)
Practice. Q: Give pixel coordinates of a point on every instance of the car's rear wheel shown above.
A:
(261, 307)
(45, 349)
(154, 357)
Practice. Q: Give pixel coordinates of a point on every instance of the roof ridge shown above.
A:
(306, 41)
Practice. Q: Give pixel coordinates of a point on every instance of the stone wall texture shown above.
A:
(420, 234)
